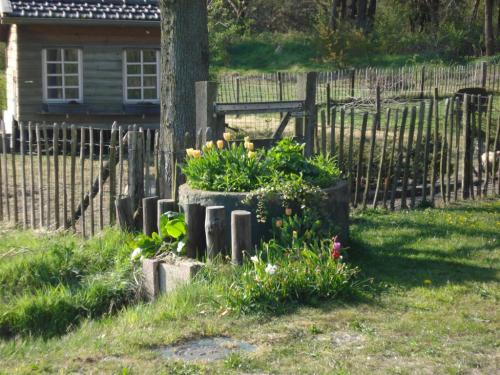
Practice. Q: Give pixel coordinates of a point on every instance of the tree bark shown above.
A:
(184, 60)
(334, 14)
(489, 39)
(372, 9)
(362, 13)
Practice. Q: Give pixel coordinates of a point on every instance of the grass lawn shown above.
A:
(430, 308)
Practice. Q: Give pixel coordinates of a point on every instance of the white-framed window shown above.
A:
(141, 68)
(62, 75)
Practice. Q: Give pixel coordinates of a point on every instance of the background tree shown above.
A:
(184, 60)
(489, 40)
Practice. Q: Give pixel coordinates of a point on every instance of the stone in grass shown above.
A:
(165, 275)
(206, 349)
(176, 271)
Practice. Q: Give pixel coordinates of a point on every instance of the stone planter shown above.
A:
(337, 202)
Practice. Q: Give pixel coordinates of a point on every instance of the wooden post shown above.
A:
(55, 154)
(1, 187)
(409, 146)
(124, 214)
(299, 128)
(91, 180)
(378, 107)
(466, 149)
(388, 179)
(47, 159)
(333, 120)
(495, 160)
(135, 170)
(206, 117)
(6, 172)
(484, 72)
(149, 218)
(435, 145)
(487, 147)
(323, 133)
(427, 150)
(399, 160)
(359, 168)
(101, 180)
(64, 177)
(194, 214)
(14, 173)
(23, 175)
(370, 159)
(112, 173)
(41, 211)
(353, 79)
(306, 91)
(32, 175)
(163, 205)
(422, 82)
(120, 160)
(82, 179)
(341, 139)
(457, 147)
(382, 165)
(241, 235)
(418, 151)
(74, 144)
(215, 231)
(449, 152)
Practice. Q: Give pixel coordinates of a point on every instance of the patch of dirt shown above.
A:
(343, 338)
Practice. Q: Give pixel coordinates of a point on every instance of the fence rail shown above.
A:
(347, 84)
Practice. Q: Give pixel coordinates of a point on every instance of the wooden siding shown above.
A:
(11, 76)
(102, 70)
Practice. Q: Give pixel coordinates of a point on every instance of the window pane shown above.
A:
(134, 94)
(133, 69)
(133, 55)
(150, 81)
(149, 55)
(71, 80)
(71, 94)
(54, 69)
(54, 81)
(134, 81)
(150, 94)
(71, 68)
(53, 54)
(150, 69)
(71, 54)
(54, 94)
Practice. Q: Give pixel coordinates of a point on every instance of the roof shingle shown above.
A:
(119, 10)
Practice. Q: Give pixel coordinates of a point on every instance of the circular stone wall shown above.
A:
(337, 201)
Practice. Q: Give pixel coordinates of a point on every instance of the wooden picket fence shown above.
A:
(349, 84)
(408, 156)
(67, 177)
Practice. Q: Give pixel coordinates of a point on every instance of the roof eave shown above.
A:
(76, 21)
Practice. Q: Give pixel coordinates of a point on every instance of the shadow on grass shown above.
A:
(402, 259)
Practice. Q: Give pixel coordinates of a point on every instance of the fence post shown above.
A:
(353, 80)
(149, 222)
(467, 148)
(206, 117)
(422, 82)
(306, 91)
(484, 72)
(135, 171)
(195, 220)
(241, 235)
(124, 214)
(215, 230)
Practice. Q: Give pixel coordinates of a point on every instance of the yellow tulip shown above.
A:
(279, 223)
(246, 139)
(220, 144)
(251, 154)
(227, 136)
(249, 146)
(196, 154)
(189, 151)
(209, 145)
(288, 211)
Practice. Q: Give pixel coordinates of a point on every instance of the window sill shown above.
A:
(65, 108)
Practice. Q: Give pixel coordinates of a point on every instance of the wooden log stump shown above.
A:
(215, 231)
(195, 221)
(241, 235)
(124, 214)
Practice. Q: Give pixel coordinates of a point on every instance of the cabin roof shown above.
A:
(84, 11)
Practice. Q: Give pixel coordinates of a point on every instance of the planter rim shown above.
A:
(186, 188)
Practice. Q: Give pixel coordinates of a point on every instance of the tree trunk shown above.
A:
(489, 39)
(343, 9)
(362, 13)
(334, 14)
(184, 60)
(372, 9)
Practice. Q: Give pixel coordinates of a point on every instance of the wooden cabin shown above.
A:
(89, 62)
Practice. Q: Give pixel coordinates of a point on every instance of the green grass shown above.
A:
(402, 325)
